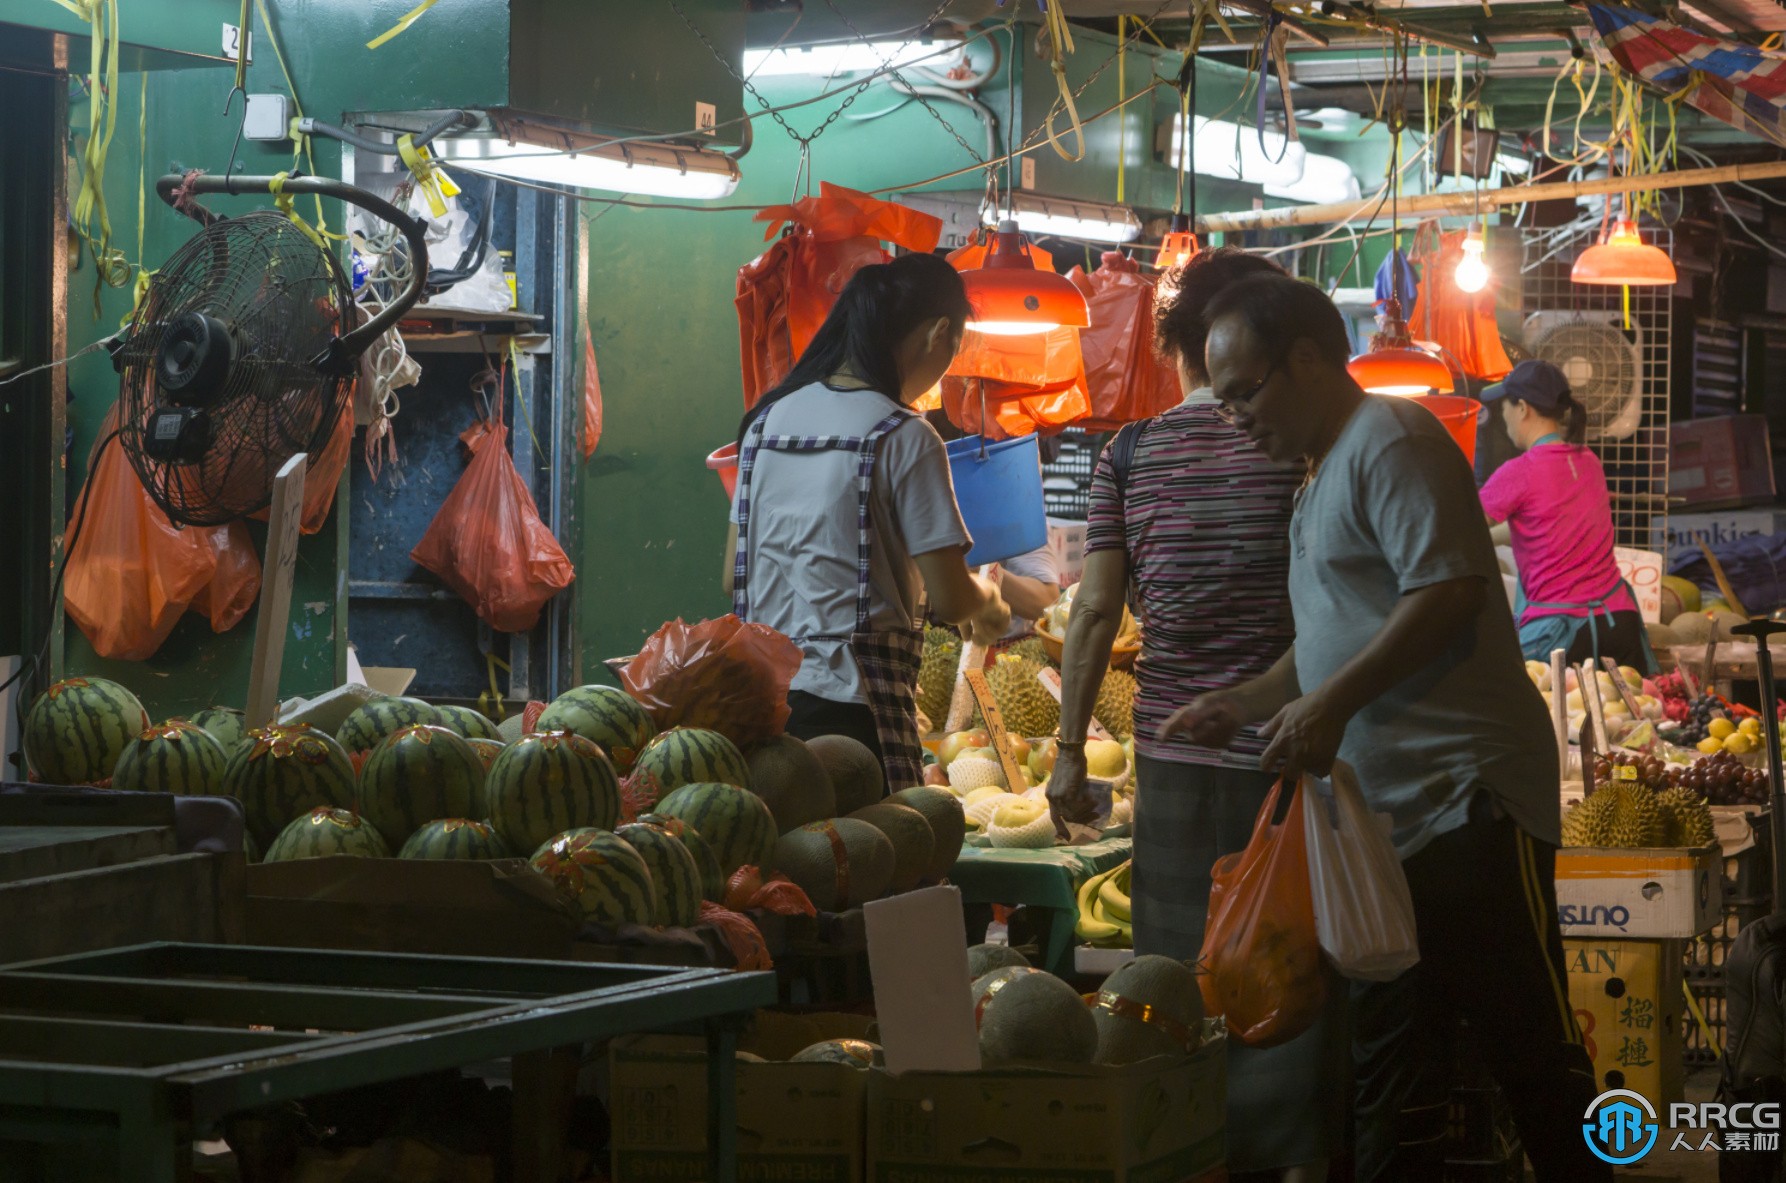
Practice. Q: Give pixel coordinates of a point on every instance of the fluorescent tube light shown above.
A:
(1058, 217)
(844, 57)
(1324, 179)
(1279, 162)
(554, 156)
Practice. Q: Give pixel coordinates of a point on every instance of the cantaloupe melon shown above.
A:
(1150, 1007)
(840, 864)
(1678, 596)
(1693, 628)
(983, 959)
(1033, 1015)
(948, 825)
(792, 782)
(1724, 622)
(857, 1053)
(910, 834)
(857, 778)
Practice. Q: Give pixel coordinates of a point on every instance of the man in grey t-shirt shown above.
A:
(1406, 665)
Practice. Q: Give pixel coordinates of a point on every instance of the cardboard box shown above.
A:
(795, 1121)
(1672, 892)
(1066, 542)
(1720, 463)
(1162, 1121)
(1690, 529)
(1628, 1003)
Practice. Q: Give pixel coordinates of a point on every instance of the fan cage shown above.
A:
(1637, 464)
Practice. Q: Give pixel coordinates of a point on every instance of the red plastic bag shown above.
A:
(1124, 378)
(1261, 951)
(323, 475)
(1462, 323)
(1011, 410)
(235, 583)
(488, 543)
(741, 934)
(723, 675)
(748, 890)
(592, 399)
(784, 294)
(131, 572)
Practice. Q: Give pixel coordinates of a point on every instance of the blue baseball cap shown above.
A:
(1537, 383)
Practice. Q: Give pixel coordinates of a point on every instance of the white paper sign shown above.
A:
(917, 959)
(1642, 569)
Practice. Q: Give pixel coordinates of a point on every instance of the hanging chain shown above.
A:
(890, 68)
(1035, 137)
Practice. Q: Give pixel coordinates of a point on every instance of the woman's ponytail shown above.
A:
(1574, 418)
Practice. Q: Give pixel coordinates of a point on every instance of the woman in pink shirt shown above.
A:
(1554, 500)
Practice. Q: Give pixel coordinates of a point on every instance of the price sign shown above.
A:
(1642, 569)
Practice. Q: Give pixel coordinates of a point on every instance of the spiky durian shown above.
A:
(1687, 820)
(936, 676)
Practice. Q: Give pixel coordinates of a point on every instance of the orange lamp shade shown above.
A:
(1180, 244)
(1395, 365)
(1011, 297)
(1624, 260)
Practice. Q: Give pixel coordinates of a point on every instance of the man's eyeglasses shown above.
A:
(1232, 411)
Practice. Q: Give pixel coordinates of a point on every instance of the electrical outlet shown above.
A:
(706, 118)
(1027, 173)
(232, 42)
(268, 119)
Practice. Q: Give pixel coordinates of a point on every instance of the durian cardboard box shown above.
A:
(1661, 893)
(795, 1121)
(1628, 1003)
(1159, 1121)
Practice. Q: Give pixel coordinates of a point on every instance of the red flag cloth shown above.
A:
(1126, 381)
(1461, 323)
(592, 398)
(784, 294)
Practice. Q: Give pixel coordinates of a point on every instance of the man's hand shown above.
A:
(1069, 796)
(1305, 738)
(1211, 720)
(992, 623)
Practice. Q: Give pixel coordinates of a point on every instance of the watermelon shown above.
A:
(416, 775)
(371, 723)
(467, 723)
(604, 715)
(713, 883)
(455, 838)
(327, 831)
(545, 784)
(487, 750)
(250, 848)
(283, 772)
(675, 877)
(78, 728)
(175, 757)
(689, 756)
(227, 726)
(601, 875)
(734, 821)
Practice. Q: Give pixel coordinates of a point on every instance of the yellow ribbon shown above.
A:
(300, 143)
(1060, 40)
(435, 185)
(283, 201)
(110, 265)
(490, 701)
(141, 288)
(409, 18)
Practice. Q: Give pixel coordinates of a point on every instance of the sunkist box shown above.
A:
(1715, 526)
(1161, 1121)
(1668, 892)
(1720, 463)
(1628, 1003)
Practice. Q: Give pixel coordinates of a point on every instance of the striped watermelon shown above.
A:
(283, 772)
(487, 750)
(371, 723)
(327, 831)
(176, 757)
(602, 875)
(543, 785)
(467, 723)
(250, 848)
(455, 838)
(605, 715)
(78, 728)
(416, 775)
(675, 878)
(690, 756)
(227, 726)
(734, 821)
(713, 882)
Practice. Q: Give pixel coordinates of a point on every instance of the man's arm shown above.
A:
(1212, 719)
(1029, 598)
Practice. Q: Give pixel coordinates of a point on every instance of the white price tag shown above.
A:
(1027, 173)
(1642, 569)
(1050, 680)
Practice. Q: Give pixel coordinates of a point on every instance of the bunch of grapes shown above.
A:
(1699, 715)
(1650, 771)
(1722, 779)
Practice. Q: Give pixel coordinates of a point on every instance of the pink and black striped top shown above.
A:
(1206, 524)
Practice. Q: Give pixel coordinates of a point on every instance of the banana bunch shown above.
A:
(1104, 909)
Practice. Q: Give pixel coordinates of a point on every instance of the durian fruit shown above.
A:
(1030, 649)
(1686, 819)
(1115, 707)
(1028, 709)
(1636, 818)
(1589, 822)
(936, 677)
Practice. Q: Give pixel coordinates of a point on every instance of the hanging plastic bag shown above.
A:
(235, 583)
(723, 675)
(1459, 322)
(1261, 956)
(488, 543)
(1364, 914)
(784, 294)
(1010, 410)
(323, 475)
(130, 571)
(592, 399)
(1124, 378)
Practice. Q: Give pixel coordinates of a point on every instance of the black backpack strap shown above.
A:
(1122, 455)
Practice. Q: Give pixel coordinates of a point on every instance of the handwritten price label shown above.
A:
(1642, 569)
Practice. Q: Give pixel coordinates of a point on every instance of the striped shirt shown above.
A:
(1206, 524)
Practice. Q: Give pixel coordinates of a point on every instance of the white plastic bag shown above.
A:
(1363, 912)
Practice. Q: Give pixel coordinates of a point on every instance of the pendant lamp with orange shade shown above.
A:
(1180, 244)
(1624, 259)
(1010, 296)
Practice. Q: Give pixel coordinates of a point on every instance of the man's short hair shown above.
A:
(1183, 293)
(1282, 311)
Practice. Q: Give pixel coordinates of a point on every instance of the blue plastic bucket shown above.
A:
(999, 489)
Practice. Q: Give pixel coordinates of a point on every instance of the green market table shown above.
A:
(141, 1047)
(1041, 879)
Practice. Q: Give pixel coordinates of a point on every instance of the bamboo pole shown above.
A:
(1467, 201)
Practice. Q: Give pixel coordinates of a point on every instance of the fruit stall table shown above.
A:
(142, 1047)
(1047, 878)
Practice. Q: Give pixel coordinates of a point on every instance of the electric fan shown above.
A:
(1603, 362)
(243, 352)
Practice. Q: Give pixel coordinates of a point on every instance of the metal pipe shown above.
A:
(451, 120)
(988, 119)
(1761, 630)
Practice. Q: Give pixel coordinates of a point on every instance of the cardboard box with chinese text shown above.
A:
(1628, 1003)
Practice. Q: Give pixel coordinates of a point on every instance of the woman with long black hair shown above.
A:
(845, 520)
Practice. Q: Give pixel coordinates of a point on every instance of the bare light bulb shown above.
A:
(1472, 269)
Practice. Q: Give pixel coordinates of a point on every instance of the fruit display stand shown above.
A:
(143, 1047)
(1047, 879)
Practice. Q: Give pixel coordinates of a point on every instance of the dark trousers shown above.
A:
(813, 716)
(1490, 954)
(1621, 640)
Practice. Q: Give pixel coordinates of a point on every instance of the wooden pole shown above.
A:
(1467, 202)
(273, 620)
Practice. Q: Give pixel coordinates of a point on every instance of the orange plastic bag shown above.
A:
(592, 399)
(488, 543)
(235, 584)
(1462, 323)
(131, 572)
(1005, 410)
(1261, 956)
(723, 675)
(323, 475)
(1124, 378)
(784, 294)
